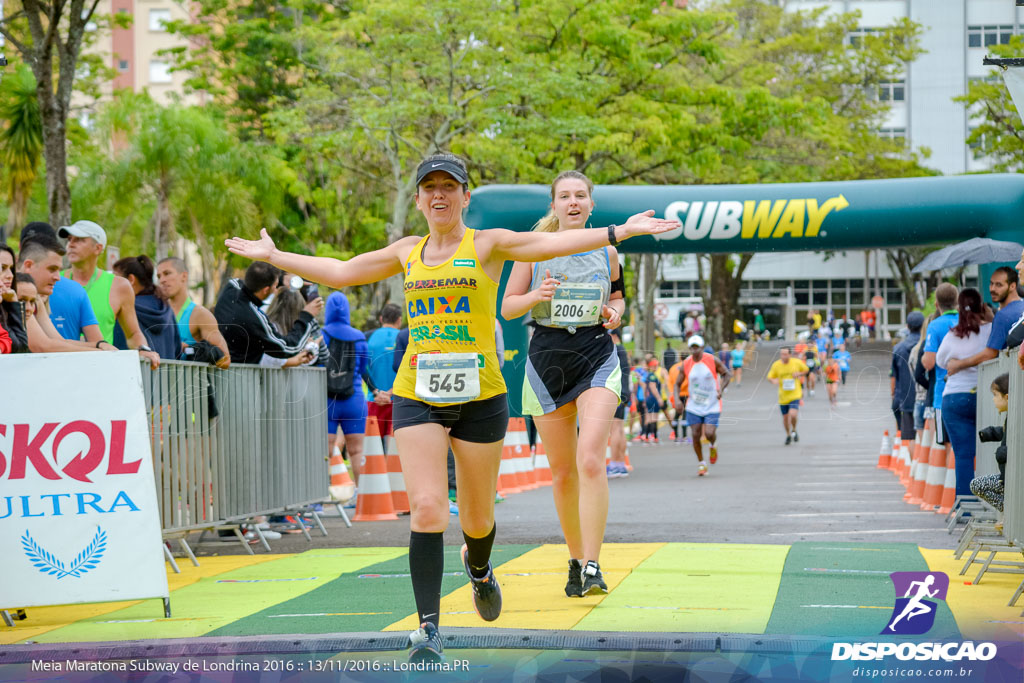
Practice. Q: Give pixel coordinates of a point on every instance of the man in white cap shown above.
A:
(704, 404)
(111, 296)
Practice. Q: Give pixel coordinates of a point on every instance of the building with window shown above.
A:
(134, 52)
(956, 36)
(785, 286)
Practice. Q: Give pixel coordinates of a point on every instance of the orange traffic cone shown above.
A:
(399, 496)
(906, 462)
(341, 488)
(373, 504)
(516, 438)
(541, 464)
(919, 474)
(895, 463)
(629, 465)
(885, 452)
(936, 474)
(507, 481)
(949, 486)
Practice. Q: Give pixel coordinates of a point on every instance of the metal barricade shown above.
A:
(1013, 504)
(232, 444)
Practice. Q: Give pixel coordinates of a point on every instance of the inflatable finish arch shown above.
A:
(860, 214)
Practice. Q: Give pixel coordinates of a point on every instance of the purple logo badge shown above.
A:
(914, 613)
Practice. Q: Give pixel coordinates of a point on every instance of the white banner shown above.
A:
(78, 511)
(1014, 78)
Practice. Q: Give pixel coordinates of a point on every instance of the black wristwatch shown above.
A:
(611, 236)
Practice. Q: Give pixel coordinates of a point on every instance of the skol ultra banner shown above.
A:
(78, 510)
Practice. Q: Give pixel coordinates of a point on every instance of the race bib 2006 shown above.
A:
(447, 377)
(788, 384)
(576, 305)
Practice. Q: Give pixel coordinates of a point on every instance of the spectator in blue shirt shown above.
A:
(1002, 286)
(945, 302)
(381, 349)
(70, 310)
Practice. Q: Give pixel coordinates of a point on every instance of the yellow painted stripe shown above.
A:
(43, 619)
(692, 587)
(533, 590)
(214, 602)
(980, 611)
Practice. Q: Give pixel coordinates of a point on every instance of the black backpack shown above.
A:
(341, 369)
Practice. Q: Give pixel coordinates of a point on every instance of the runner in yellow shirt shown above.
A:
(786, 373)
(449, 391)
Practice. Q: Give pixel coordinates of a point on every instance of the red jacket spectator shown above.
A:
(5, 341)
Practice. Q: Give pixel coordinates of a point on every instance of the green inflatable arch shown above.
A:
(860, 214)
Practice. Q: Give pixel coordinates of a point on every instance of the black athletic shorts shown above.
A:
(907, 431)
(560, 366)
(483, 421)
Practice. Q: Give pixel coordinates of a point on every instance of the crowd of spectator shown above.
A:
(934, 372)
(55, 298)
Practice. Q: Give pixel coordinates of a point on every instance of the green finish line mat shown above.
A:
(810, 588)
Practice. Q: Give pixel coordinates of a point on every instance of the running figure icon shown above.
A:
(915, 607)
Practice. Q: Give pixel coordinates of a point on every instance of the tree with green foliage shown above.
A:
(389, 84)
(21, 143)
(248, 56)
(172, 170)
(50, 37)
(997, 130)
(800, 59)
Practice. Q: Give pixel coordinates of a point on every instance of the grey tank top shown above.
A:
(591, 268)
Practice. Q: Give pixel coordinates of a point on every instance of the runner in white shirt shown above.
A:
(704, 405)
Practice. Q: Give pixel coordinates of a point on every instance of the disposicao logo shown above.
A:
(914, 614)
(751, 218)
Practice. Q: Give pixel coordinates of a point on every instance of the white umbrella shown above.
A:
(974, 250)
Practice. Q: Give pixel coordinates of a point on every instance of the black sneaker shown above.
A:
(486, 591)
(574, 586)
(593, 583)
(796, 437)
(425, 644)
(789, 439)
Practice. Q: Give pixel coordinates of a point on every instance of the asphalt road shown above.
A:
(826, 486)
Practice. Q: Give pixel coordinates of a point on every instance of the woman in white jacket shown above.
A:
(960, 397)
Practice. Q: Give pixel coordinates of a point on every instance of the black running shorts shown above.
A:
(483, 421)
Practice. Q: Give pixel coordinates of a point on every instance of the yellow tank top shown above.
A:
(452, 308)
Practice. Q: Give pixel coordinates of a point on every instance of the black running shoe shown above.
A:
(574, 586)
(593, 582)
(425, 644)
(796, 437)
(789, 439)
(486, 591)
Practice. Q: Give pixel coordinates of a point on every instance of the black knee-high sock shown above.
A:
(426, 564)
(478, 552)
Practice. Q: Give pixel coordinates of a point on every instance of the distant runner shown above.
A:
(701, 371)
(786, 373)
